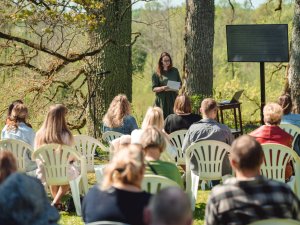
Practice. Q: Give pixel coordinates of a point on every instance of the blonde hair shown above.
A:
(127, 167)
(272, 113)
(18, 114)
(154, 117)
(54, 128)
(118, 109)
(153, 138)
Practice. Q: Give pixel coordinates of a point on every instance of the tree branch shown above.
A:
(42, 48)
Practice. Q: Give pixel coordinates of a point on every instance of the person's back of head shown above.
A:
(119, 144)
(171, 206)
(182, 104)
(246, 154)
(54, 128)
(272, 113)
(285, 101)
(18, 114)
(12, 105)
(154, 117)
(23, 200)
(153, 138)
(126, 167)
(8, 164)
(117, 110)
(209, 108)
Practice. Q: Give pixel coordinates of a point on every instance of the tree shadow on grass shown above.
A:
(199, 211)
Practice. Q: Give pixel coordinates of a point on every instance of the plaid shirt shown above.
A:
(242, 202)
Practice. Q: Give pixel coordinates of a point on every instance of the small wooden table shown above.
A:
(238, 127)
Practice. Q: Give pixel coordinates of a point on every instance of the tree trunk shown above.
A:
(294, 70)
(199, 41)
(116, 58)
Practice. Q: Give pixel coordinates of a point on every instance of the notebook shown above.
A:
(234, 99)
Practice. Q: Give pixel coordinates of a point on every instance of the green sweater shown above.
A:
(165, 169)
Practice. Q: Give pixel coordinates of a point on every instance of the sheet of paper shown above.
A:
(173, 85)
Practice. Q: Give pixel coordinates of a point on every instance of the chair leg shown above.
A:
(74, 185)
(194, 187)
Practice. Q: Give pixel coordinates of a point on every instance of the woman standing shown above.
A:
(165, 97)
(55, 131)
(118, 116)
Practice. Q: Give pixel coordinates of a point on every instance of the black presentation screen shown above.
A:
(257, 43)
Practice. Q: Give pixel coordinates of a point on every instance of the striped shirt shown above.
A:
(238, 202)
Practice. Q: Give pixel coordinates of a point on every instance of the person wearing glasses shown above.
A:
(165, 97)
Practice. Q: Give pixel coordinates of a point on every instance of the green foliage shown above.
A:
(196, 102)
(138, 59)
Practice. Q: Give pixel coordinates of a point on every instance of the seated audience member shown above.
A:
(23, 200)
(183, 117)
(17, 128)
(119, 143)
(249, 197)
(171, 206)
(10, 108)
(55, 131)
(154, 118)
(154, 143)
(285, 101)
(209, 129)
(118, 116)
(120, 198)
(272, 133)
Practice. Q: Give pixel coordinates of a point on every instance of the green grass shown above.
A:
(72, 219)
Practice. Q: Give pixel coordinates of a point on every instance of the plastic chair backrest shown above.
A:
(109, 136)
(209, 155)
(106, 223)
(291, 129)
(176, 138)
(56, 161)
(86, 146)
(276, 222)
(276, 158)
(154, 183)
(19, 149)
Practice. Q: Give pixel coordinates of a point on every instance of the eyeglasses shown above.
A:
(166, 60)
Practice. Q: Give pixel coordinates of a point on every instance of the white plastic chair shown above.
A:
(209, 156)
(276, 222)
(276, 170)
(55, 160)
(106, 223)
(86, 146)
(292, 130)
(154, 183)
(109, 136)
(20, 149)
(176, 138)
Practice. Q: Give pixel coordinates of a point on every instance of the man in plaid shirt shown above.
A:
(249, 196)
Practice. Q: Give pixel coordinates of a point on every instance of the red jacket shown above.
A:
(272, 134)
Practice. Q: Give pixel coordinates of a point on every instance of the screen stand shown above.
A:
(262, 91)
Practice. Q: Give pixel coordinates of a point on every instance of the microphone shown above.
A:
(103, 73)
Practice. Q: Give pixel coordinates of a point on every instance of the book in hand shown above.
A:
(173, 85)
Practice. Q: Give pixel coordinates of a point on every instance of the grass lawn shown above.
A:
(72, 219)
